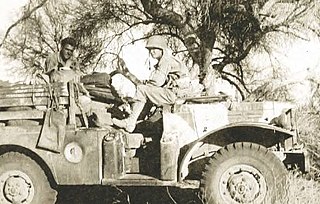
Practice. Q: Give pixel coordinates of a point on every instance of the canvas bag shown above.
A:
(54, 127)
(53, 130)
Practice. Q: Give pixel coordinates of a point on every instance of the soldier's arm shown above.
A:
(159, 76)
(51, 65)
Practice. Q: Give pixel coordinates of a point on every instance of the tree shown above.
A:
(214, 35)
(36, 33)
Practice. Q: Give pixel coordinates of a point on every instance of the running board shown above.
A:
(145, 180)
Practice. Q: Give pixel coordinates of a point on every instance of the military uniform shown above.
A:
(55, 62)
(65, 71)
(161, 88)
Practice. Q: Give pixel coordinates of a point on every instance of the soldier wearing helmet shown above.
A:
(161, 87)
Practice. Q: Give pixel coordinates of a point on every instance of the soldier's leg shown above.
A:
(129, 124)
(156, 95)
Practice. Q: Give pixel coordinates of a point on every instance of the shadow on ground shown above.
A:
(125, 195)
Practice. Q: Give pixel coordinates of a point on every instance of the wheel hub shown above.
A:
(243, 187)
(16, 188)
(242, 184)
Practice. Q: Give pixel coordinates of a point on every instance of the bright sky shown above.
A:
(136, 56)
(9, 13)
(9, 10)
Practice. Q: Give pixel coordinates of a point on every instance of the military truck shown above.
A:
(233, 152)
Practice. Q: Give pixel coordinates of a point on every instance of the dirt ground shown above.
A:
(125, 195)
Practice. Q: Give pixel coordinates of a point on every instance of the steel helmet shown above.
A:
(157, 41)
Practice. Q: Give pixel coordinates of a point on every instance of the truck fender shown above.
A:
(259, 133)
(33, 155)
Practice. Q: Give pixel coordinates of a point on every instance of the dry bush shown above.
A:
(301, 190)
(308, 123)
(305, 188)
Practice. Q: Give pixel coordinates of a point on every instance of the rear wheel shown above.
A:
(23, 181)
(243, 173)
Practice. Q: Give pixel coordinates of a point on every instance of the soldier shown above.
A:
(62, 66)
(162, 86)
(61, 60)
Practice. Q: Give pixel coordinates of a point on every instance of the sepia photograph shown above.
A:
(159, 102)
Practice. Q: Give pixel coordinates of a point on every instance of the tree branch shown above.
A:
(24, 17)
(165, 15)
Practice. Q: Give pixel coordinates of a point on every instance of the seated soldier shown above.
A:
(161, 88)
(62, 66)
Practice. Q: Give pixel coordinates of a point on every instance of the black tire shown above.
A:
(243, 173)
(22, 180)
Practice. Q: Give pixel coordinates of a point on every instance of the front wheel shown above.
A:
(23, 181)
(243, 173)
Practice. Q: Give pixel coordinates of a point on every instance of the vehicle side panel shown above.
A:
(87, 171)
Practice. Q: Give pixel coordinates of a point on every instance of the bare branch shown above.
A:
(24, 17)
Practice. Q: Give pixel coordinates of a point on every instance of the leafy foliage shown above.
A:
(210, 34)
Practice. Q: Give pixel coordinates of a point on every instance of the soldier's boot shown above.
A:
(129, 124)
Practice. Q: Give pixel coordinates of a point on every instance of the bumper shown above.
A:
(297, 159)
